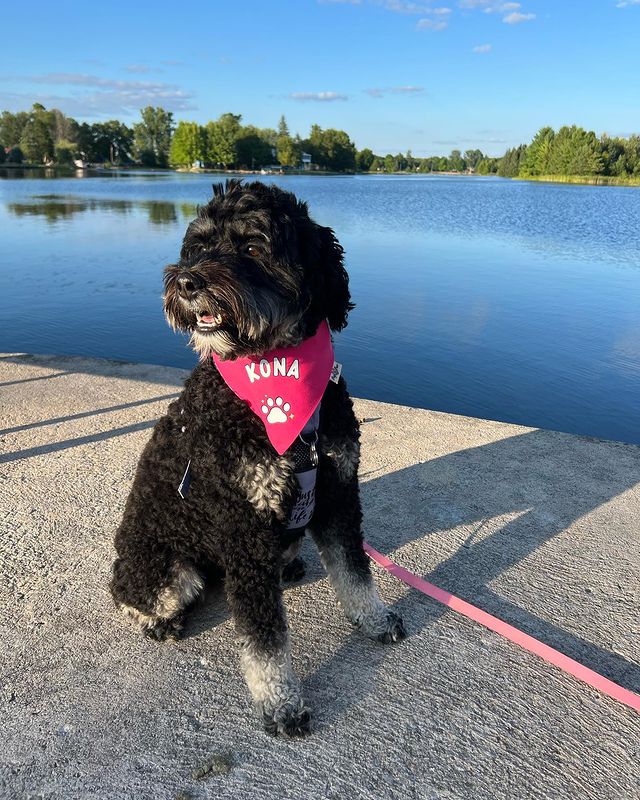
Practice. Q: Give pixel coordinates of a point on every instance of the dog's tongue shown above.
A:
(207, 318)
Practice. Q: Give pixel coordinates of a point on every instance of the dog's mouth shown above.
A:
(207, 323)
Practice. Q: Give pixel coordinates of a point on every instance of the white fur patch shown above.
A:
(270, 678)
(183, 589)
(265, 483)
(357, 596)
(185, 586)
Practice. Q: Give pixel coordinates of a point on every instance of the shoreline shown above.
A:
(576, 180)
(581, 180)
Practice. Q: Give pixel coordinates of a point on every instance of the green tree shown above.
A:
(188, 144)
(632, 155)
(222, 138)
(36, 141)
(85, 142)
(456, 162)
(331, 149)
(487, 166)
(538, 156)
(289, 153)
(11, 127)
(253, 148)
(510, 165)
(473, 158)
(64, 152)
(152, 136)
(63, 128)
(586, 153)
(613, 155)
(111, 141)
(364, 160)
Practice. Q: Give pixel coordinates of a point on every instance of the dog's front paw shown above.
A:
(292, 718)
(163, 629)
(385, 627)
(394, 630)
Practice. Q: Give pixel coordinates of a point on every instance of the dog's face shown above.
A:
(255, 273)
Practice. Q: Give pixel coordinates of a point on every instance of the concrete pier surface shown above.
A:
(539, 528)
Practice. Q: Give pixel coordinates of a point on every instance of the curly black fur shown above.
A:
(255, 263)
(265, 269)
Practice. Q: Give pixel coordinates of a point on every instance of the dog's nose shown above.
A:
(188, 285)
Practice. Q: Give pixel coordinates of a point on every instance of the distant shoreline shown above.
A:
(578, 180)
(589, 180)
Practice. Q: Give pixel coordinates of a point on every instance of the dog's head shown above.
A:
(255, 273)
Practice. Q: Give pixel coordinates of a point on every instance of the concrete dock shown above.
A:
(539, 528)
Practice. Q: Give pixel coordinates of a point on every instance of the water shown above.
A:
(500, 299)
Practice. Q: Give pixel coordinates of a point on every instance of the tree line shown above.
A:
(42, 136)
(573, 151)
(49, 137)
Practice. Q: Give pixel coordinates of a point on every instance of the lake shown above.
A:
(501, 299)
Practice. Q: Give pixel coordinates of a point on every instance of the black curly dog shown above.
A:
(255, 263)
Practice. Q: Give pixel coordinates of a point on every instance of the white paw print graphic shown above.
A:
(276, 410)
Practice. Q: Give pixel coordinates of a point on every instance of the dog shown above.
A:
(211, 494)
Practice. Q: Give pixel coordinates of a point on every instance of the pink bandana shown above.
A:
(284, 386)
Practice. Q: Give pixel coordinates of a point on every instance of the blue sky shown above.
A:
(425, 76)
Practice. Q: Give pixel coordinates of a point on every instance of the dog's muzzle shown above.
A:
(188, 285)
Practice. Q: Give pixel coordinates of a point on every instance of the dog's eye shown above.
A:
(252, 250)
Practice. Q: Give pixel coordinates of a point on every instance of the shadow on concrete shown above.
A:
(547, 480)
(54, 447)
(70, 417)
(39, 378)
(89, 365)
(515, 475)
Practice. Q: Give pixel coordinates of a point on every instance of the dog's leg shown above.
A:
(293, 567)
(336, 529)
(154, 591)
(255, 599)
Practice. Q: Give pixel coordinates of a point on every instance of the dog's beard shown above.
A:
(246, 320)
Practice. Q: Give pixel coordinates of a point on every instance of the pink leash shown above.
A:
(565, 663)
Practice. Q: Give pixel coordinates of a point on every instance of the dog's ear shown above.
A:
(334, 280)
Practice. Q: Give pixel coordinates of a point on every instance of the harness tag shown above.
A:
(185, 483)
(335, 372)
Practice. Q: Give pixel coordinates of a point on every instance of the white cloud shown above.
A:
(430, 25)
(138, 68)
(489, 6)
(318, 96)
(80, 79)
(516, 17)
(402, 7)
(625, 3)
(105, 95)
(482, 48)
(403, 90)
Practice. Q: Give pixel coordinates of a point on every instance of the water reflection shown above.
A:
(53, 208)
(483, 297)
(37, 173)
